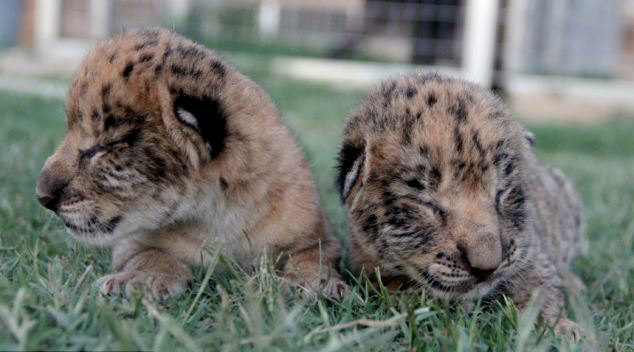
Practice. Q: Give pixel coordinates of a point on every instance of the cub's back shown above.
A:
(559, 220)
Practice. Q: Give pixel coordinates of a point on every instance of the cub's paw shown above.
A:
(333, 287)
(160, 286)
(574, 283)
(568, 328)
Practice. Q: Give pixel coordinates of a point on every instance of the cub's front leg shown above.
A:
(543, 275)
(141, 266)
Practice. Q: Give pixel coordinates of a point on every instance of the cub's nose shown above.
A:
(481, 274)
(481, 260)
(49, 190)
(49, 202)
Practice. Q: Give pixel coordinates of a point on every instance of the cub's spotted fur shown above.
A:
(171, 151)
(443, 190)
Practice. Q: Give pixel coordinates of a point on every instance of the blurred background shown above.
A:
(565, 67)
(562, 59)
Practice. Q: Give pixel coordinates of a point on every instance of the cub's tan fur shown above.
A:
(443, 190)
(171, 151)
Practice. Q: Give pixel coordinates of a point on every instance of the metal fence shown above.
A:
(564, 37)
(417, 31)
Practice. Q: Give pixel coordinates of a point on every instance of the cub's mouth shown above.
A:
(457, 285)
(448, 276)
(92, 226)
(86, 221)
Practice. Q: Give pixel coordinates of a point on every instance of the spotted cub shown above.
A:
(443, 191)
(170, 155)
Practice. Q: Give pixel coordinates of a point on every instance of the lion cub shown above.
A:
(442, 189)
(171, 151)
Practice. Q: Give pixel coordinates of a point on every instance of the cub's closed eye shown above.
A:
(127, 140)
(436, 209)
(498, 196)
(91, 152)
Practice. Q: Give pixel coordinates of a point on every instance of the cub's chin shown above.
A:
(481, 289)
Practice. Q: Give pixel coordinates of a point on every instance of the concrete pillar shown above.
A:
(515, 36)
(100, 18)
(47, 21)
(178, 9)
(478, 51)
(269, 17)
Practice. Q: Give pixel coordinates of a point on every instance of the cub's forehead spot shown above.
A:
(459, 139)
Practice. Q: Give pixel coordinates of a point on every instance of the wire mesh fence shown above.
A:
(417, 31)
(582, 37)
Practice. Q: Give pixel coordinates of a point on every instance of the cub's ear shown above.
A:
(350, 163)
(206, 116)
(530, 137)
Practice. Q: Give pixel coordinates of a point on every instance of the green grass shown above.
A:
(47, 301)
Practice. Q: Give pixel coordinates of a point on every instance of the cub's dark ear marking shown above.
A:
(206, 116)
(349, 163)
(530, 137)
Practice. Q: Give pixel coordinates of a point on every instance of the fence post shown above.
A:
(269, 17)
(100, 18)
(47, 21)
(478, 50)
